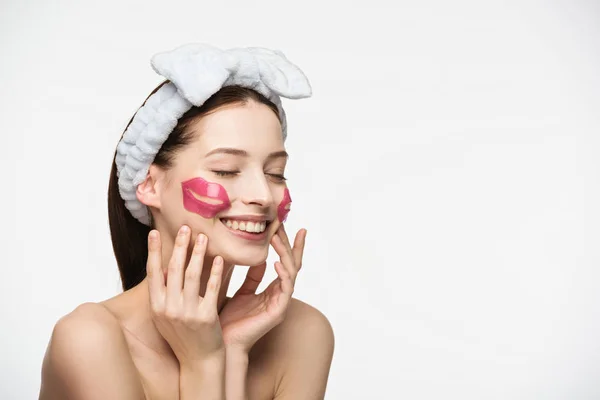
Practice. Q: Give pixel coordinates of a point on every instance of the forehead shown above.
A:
(249, 126)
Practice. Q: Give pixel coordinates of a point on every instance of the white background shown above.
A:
(447, 169)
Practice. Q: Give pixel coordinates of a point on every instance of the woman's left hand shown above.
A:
(248, 316)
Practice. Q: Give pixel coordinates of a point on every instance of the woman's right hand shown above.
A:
(188, 322)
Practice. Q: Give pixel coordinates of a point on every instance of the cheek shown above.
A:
(284, 207)
(204, 198)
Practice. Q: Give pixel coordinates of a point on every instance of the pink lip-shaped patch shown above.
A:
(284, 207)
(204, 198)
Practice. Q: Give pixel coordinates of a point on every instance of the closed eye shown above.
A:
(225, 173)
(278, 177)
(222, 173)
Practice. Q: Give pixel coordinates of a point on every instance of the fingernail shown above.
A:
(201, 238)
(184, 229)
(153, 235)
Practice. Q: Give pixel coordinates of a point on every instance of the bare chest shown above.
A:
(159, 374)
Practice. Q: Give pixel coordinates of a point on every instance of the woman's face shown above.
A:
(228, 183)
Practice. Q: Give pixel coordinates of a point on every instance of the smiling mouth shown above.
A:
(252, 227)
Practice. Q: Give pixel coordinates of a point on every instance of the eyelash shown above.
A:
(231, 173)
(225, 173)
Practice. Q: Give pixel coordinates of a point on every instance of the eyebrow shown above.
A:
(244, 153)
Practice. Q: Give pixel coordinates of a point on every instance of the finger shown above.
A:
(193, 273)
(283, 234)
(286, 240)
(287, 284)
(298, 250)
(253, 278)
(283, 280)
(214, 284)
(156, 281)
(175, 269)
(285, 256)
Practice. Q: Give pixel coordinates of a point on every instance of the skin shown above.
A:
(177, 335)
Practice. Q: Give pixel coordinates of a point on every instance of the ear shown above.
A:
(148, 192)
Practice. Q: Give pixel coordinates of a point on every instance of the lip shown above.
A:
(253, 218)
(256, 237)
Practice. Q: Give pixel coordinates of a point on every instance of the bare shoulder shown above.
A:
(304, 345)
(87, 358)
(304, 320)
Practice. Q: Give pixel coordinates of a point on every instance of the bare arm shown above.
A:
(205, 380)
(87, 358)
(236, 373)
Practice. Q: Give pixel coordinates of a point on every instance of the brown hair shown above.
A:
(129, 236)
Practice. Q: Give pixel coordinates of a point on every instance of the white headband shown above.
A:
(196, 72)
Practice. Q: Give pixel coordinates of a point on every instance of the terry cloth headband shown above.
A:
(196, 72)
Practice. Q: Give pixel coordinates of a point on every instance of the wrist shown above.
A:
(213, 362)
(236, 352)
(237, 349)
(205, 377)
(236, 355)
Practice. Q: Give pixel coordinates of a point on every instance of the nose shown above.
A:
(256, 190)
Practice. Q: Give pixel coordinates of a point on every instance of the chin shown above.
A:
(245, 258)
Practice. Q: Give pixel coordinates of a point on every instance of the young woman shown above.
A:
(197, 187)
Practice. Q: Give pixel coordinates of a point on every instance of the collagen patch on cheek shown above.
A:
(204, 198)
(284, 207)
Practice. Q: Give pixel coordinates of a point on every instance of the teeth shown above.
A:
(247, 226)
